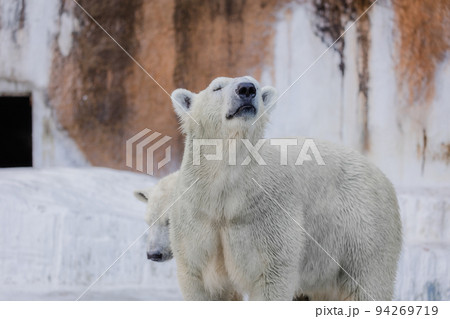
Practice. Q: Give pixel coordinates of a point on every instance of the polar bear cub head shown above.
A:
(159, 201)
(227, 108)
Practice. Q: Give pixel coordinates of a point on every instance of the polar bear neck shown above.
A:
(218, 180)
(228, 156)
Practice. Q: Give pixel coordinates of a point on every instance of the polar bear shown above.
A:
(260, 221)
(159, 200)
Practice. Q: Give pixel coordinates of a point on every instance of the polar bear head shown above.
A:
(227, 108)
(159, 201)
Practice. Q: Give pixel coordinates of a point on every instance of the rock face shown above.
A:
(90, 97)
(101, 97)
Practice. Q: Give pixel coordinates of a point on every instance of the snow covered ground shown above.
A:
(61, 228)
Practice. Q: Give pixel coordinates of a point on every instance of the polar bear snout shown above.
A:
(159, 248)
(246, 90)
(158, 256)
(154, 255)
(243, 102)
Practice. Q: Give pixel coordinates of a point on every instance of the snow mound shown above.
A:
(61, 228)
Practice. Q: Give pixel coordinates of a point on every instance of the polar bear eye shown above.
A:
(217, 89)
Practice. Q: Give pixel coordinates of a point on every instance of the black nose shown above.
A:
(246, 90)
(155, 256)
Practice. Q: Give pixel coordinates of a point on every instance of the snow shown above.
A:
(62, 227)
(424, 269)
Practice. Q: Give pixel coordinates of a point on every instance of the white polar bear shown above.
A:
(159, 199)
(272, 231)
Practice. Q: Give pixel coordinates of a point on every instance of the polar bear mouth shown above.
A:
(246, 110)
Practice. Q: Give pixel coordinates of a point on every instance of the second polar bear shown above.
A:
(159, 200)
(255, 218)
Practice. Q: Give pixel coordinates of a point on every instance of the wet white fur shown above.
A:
(158, 199)
(229, 234)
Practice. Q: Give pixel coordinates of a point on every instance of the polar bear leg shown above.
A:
(270, 292)
(375, 281)
(191, 285)
(272, 286)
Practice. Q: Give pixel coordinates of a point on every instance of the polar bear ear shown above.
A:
(269, 96)
(141, 195)
(182, 101)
